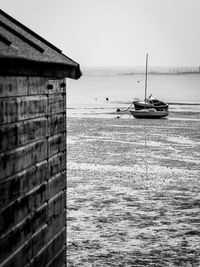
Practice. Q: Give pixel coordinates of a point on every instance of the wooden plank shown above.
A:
(57, 183)
(56, 144)
(56, 224)
(17, 159)
(22, 207)
(13, 86)
(59, 259)
(56, 205)
(19, 184)
(56, 104)
(57, 123)
(52, 248)
(14, 109)
(23, 234)
(20, 133)
(37, 85)
(57, 163)
(39, 240)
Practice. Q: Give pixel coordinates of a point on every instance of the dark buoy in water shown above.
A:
(118, 110)
(107, 98)
(138, 81)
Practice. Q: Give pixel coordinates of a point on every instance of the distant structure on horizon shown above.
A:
(177, 70)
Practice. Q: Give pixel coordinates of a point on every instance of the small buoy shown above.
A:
(138, 81)
(118, 110)
(107, 98)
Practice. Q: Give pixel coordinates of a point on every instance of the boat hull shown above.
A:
(158, 107)
(149, 114)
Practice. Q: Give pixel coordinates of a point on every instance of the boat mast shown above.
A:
(146, 81)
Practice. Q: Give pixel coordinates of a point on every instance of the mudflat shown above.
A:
(133, 196)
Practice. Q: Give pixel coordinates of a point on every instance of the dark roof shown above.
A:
(23, 52)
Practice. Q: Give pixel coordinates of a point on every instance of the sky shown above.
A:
(116, 32)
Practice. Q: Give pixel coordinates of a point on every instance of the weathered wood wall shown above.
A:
(32, 172)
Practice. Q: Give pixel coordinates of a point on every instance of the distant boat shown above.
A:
(150, 107)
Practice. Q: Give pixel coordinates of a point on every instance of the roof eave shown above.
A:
(24, 67)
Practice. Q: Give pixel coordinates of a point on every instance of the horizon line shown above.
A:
(135, 66)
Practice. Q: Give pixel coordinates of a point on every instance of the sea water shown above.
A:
(100, 95)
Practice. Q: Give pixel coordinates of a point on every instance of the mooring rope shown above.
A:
(124, 110)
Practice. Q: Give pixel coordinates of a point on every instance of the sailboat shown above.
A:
(150, 108)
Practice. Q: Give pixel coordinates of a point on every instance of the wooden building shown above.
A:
(33, 76)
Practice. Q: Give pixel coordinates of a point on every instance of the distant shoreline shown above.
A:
(112, 74)
(160, 73)
(129, 71)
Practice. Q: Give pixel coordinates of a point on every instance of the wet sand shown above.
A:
(133, 192)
